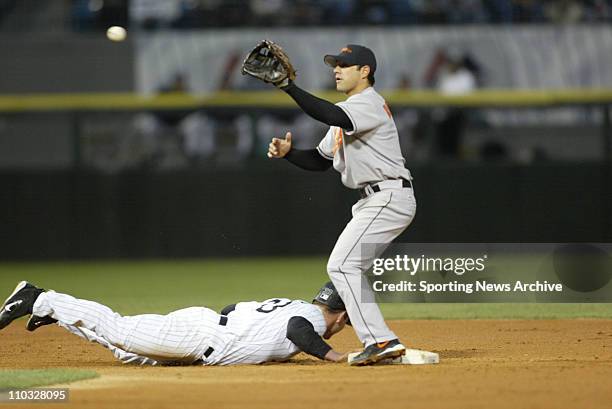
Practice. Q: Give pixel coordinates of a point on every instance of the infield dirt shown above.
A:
(484, 364)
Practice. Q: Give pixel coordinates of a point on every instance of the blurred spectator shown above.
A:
(528, 11)
(451, 72)
(598, 10)
(499, 11)
(235, 137)
(268, 12)
(402, 12)
(306, 132)
(564, 11)
(472, 65)
(160, 130)
(454, 78)
(337, 11)
(225, 136)
(85, 14)
(199, 136)
(154, 13)
(304, 12)
(98, 14)
(466, 12)
(190, 14)
(405, 82)
(432, 12)
(375, 12)
(178, 83)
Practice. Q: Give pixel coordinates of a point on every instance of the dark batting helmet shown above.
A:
(328, 295)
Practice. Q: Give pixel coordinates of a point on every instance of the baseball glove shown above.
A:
(269, 62)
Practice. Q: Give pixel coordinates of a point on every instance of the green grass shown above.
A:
(28, 378)
(496, 311)
(160, 286)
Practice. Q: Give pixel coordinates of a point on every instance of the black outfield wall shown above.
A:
(281, 211)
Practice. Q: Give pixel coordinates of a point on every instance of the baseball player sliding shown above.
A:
(362, 144)
(243, 333)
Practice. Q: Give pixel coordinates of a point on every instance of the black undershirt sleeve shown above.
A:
(301, 332)
(318, 108)
(309, 159)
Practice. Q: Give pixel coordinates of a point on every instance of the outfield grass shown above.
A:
(29, 378)
(132, 287)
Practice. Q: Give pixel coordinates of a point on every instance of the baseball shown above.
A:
(116, 33)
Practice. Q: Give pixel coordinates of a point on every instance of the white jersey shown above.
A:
(257, 331)
(370, 153)
(254, 332)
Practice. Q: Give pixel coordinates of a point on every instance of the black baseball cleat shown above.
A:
(19, 303)
(36, 322)
(378, 352)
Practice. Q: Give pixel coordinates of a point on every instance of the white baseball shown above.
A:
(116, 33)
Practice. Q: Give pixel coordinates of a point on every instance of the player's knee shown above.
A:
(340, 269)
(333, 267)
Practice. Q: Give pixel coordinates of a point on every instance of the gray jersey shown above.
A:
(257, 331)
(371, 152)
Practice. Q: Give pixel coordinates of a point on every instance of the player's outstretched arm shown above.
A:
(301, 332)
(318, 108)
(268, 62)
(309, 159)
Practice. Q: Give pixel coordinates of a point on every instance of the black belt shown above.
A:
(222, 322)
(375, 188)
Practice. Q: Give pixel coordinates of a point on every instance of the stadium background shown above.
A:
(135, 173)
(105, 176)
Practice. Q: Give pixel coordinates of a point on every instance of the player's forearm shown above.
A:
(318, 108)
(309, 159)
(301, 332)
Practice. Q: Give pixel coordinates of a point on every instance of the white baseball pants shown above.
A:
(182, 336)
(377, 219)
(120, 354)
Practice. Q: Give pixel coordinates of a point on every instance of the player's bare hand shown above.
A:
(278, 148)
(336, 356)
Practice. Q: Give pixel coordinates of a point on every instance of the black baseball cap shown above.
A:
(352, 54)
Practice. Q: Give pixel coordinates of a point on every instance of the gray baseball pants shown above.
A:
(377, 219)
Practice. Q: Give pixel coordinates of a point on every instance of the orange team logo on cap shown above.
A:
(338, 137)
(346, 50)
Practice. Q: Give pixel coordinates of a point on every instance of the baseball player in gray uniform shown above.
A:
(362, 144)
(243, 333)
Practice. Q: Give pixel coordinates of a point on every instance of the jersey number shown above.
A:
(270, 305)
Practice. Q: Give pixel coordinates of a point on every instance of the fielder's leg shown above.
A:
(378, 219)
(182, 335)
